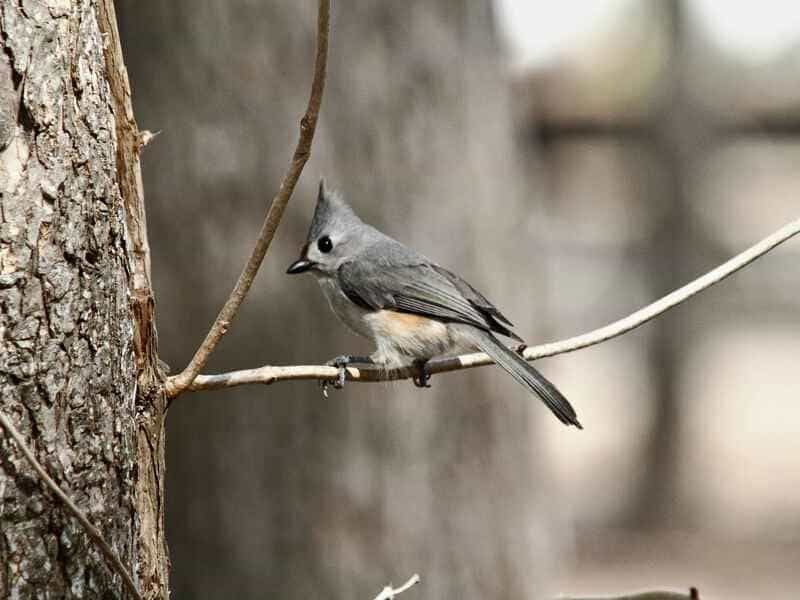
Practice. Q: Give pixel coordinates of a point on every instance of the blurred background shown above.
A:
(573, 160)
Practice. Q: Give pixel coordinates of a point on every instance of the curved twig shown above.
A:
(175, 385)
(270, 374)
(90, 529)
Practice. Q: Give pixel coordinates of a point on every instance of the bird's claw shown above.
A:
(520, 349)
(337, 383)
(421, 382)
(340, 362)
(422, 378)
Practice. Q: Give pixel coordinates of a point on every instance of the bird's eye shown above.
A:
(325, 244)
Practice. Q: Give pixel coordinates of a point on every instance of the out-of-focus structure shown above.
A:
(572, 193)
(670, 138)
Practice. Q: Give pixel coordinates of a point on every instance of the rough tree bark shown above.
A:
(78, 369)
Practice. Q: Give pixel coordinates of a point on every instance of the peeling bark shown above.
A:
(78, 366)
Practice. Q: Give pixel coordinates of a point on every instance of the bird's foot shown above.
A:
(341, 362)
(520, 349)
(421, 380)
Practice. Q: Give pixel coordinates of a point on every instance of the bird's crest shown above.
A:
(331, 212)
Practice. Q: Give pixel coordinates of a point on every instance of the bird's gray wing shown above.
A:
(474, 296)
(417, 287)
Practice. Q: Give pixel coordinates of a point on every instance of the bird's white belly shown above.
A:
(348, 312)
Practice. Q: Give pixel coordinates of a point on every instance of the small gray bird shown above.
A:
(410, 307)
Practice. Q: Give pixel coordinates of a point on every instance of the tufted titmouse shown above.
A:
(410, 307)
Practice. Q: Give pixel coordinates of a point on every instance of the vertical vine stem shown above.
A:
(90, 529)
(177, 384)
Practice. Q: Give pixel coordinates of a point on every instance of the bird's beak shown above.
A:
(299, 266)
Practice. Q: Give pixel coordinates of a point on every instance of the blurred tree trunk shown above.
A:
(677, 136)
(77, 343)
(275, 488)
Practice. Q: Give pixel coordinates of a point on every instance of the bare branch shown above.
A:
(270, 374)
(388, 593)
(91, 530)
(657, 595)
(175, 385)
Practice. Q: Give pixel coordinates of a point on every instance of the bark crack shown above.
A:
(153, 561)
(154, 465)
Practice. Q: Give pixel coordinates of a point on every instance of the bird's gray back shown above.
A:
(385, 274)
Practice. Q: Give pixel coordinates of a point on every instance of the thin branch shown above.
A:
(656, 595)
(388, 593)
(270, 374)
(91, 530)
(175, 385)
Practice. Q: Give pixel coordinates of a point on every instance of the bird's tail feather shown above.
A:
(528, 376)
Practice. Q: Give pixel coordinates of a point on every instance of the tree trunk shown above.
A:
(78, 371)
